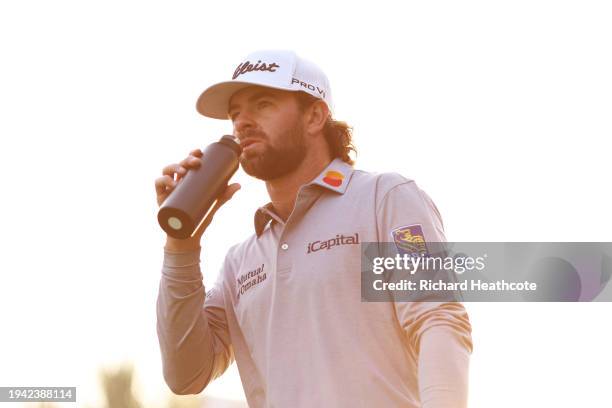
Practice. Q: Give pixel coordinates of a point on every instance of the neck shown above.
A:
(283, 191)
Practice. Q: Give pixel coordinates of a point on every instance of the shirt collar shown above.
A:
(335, 177)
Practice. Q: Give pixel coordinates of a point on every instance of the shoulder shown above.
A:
(395, 190)
(381, 183)
(237, 251)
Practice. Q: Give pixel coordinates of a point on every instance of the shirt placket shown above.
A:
(289, 240)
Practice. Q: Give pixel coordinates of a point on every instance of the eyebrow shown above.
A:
(252, 98)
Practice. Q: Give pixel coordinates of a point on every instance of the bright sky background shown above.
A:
(501, 111)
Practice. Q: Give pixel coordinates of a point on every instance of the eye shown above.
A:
(263, 104)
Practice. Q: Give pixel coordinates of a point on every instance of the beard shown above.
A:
(276, 161)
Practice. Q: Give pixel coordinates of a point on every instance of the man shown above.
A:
(287, 304)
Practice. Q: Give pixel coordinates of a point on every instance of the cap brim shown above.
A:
(214, 101)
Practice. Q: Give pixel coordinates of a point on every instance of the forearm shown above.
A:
(174, 245)
(443, 368)
(186, 342)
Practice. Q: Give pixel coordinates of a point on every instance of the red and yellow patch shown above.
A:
(333, 178)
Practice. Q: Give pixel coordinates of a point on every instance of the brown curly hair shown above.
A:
(338, 134)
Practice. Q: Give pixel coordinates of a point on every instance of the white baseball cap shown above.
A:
(278, 69)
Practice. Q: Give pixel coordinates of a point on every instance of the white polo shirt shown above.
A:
(287, 307)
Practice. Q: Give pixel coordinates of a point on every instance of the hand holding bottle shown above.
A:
(172, 176)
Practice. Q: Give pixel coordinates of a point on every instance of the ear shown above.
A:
(316, 116)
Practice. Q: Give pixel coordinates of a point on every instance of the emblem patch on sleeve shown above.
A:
(410, 239)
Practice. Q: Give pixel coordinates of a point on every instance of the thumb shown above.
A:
(229, 193)
(223, 198)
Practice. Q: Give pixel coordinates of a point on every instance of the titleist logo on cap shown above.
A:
(248, 67)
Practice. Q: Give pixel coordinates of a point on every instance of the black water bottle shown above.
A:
(185, 208)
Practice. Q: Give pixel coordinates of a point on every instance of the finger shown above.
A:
(191, 162)
(176, 171)
(163, 183)
(225, 196)
(228, 193)
(171, 169)
(196, 152)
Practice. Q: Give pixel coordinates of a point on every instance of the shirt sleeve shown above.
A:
(192, 327)
(439, 333)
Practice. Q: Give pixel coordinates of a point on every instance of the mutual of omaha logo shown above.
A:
(250, 279)
(333, 178)
(246, 66)
(410, 239)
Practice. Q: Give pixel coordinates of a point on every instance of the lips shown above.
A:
(248, 138)
(245, 143)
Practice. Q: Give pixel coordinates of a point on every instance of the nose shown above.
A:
(243, 123)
